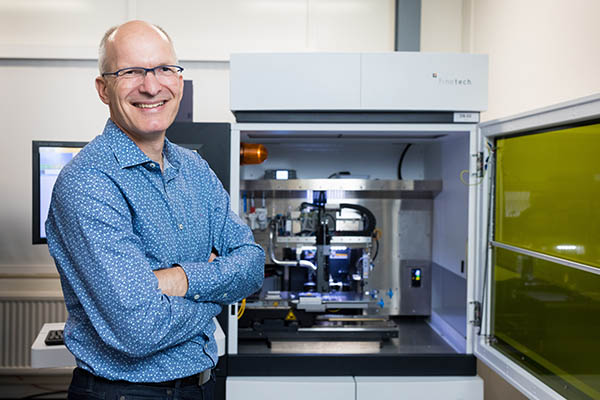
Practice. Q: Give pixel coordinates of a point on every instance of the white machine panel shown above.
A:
(290, 81)
(410, 81)
(290, 388)
(419, 388)
(424, 81)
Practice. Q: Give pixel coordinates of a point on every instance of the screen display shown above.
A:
(51, 159)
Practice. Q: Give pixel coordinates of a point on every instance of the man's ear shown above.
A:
(182, 83)
(102, 90)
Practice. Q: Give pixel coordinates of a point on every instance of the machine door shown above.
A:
(539, 275)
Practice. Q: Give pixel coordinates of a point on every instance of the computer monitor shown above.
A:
(48, 159)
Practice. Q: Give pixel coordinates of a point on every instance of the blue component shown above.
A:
(380, 303)
(390, 293)
(339, 266)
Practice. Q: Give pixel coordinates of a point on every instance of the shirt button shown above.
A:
(224, 295)
(180, 227)
(196, 297)
(152, 165)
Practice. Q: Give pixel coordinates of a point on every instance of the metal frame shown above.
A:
(234, 187)
(556, 260)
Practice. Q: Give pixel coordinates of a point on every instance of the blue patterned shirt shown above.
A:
(114, 218)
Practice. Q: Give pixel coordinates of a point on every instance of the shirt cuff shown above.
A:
(206, 282)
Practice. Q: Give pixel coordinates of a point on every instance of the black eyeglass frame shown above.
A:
(120, 72)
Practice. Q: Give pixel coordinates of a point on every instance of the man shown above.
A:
(132, 224)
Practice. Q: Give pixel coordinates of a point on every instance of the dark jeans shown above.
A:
(87, 386)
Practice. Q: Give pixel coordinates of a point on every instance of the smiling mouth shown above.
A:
(145, 105)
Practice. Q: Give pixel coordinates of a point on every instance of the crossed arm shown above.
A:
(173, 281)
(102, 260)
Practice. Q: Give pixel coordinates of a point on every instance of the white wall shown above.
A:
(48, 67)
(202, 29)
(441, 26)
(541, 52)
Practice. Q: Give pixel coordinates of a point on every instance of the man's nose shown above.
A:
(150, 84)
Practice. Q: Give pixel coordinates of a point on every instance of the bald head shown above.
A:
(136, 30)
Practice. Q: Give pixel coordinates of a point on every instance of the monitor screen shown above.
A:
(48, 159)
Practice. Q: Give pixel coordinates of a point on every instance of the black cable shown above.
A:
(313, 205)
(331, 217)
(401, 160)
(340, 173)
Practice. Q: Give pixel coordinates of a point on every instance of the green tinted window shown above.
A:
(548, 193)
(546, 316)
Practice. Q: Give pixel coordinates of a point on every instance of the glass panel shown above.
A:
(548, 193)
(547, 319)
(546, 316)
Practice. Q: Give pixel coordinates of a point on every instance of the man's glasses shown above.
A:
(164, 73)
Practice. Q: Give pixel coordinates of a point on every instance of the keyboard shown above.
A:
(54, 338)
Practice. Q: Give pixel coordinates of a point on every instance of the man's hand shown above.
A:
(173, 281)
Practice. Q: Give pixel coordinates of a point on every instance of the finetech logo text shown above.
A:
(451, 81)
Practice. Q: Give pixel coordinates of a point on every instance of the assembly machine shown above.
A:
(366, 239)
(471, 211)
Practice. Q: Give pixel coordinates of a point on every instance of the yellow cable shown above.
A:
(377, 233)
(241, 309)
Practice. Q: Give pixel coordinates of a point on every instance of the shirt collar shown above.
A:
(128, 154)
(171, 155)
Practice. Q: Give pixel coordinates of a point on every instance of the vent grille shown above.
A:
(22, 320)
